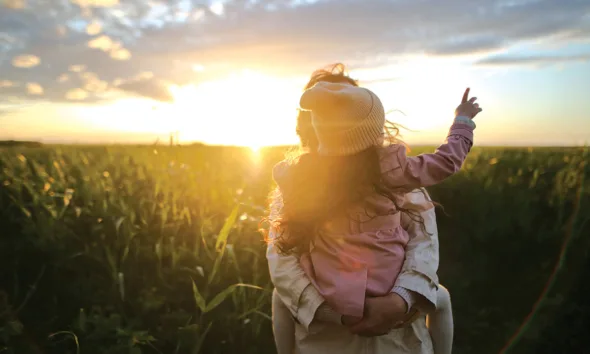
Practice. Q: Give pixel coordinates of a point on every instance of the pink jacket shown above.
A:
(351, 260)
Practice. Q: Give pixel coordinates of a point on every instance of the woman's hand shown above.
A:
(468, 107)
(411, 317)
(350, 320)
(382, 314)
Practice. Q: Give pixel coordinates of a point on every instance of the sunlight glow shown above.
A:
(217, 8)
(255, 154)
(426, 90)
(245, 108)
(248, 108)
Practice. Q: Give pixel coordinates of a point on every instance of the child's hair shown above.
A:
(318, 187)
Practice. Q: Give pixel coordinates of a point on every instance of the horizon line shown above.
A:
(196, 143)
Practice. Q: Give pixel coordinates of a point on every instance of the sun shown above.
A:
(245, 108)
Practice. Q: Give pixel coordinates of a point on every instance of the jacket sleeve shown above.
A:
(419, 271)
(292, 284)
(408, 173)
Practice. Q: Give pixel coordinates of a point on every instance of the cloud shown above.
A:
(150, 88)
(116, 41)
(509, 60)
(351, 30)
(469, 45)
(8, 108)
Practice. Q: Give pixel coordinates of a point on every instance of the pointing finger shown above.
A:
(465, 95)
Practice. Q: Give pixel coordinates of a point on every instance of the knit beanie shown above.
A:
(347, 119)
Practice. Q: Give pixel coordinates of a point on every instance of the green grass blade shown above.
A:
(224, 233)
(218, 299)
(199, 299)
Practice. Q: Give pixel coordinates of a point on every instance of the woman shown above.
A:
(316, 330)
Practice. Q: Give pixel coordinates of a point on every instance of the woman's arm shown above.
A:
(292, 284)
(419, 271)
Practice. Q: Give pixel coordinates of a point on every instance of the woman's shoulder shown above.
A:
(281, 170)
(418, 200)
(279, 173)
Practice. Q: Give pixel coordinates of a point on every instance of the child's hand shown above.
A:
(468, 108)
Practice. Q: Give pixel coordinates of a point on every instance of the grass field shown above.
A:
(157, 250)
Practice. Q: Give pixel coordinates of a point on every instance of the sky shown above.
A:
(231, 72)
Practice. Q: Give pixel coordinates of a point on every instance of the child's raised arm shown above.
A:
(408, 173)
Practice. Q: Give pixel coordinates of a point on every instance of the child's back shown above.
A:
(355, 253)
(358, 250)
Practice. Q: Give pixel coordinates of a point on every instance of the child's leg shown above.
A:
(440, 323)
(283, 326)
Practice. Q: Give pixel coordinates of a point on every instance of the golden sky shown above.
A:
(231, 72)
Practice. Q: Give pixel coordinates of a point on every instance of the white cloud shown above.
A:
(508, 60)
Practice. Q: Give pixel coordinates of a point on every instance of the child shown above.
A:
(342, 204)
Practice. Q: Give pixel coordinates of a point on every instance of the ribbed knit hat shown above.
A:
(347, 119)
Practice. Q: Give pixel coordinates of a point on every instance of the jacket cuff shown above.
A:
(424, 291)
(462, 129)
(408, 296)
(309, 303)
(326, 314)
(465, 120)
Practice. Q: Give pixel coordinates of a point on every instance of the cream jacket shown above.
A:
(418, 274)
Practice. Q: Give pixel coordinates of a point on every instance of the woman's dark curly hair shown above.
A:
(317, 187)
